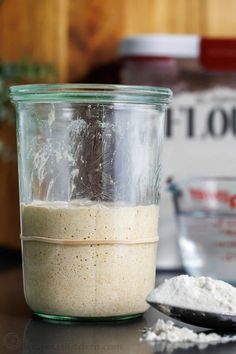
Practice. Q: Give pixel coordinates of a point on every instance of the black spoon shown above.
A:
(197, 318)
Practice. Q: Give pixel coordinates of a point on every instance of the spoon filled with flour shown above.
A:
(200, 301)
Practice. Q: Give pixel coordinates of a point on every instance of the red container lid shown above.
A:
(218, 54)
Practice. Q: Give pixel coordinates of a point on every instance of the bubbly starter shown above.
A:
(88, 279)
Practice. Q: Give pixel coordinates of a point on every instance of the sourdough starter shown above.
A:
(91, 280)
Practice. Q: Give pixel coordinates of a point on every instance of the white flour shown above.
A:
(166, 331)
(196, 293)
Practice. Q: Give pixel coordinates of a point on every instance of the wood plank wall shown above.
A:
(96, 26)
(36, 30)
(77, 35)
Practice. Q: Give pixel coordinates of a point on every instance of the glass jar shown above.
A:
(89, 171)
(155, 59)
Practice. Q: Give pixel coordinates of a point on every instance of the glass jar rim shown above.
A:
(91, 93)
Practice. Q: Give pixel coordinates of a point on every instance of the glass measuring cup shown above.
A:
(89, 171)
(206, 218)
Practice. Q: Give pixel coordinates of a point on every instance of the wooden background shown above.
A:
(77, 36)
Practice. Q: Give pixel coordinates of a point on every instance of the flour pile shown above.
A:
(167, 331)
(196, 293)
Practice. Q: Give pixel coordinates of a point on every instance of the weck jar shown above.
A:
(89, 172)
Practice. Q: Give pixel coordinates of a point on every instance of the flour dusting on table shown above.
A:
(168, 331)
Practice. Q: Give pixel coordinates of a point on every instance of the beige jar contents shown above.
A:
(87, 279)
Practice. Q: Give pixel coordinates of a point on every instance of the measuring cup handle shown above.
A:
(176, 193)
